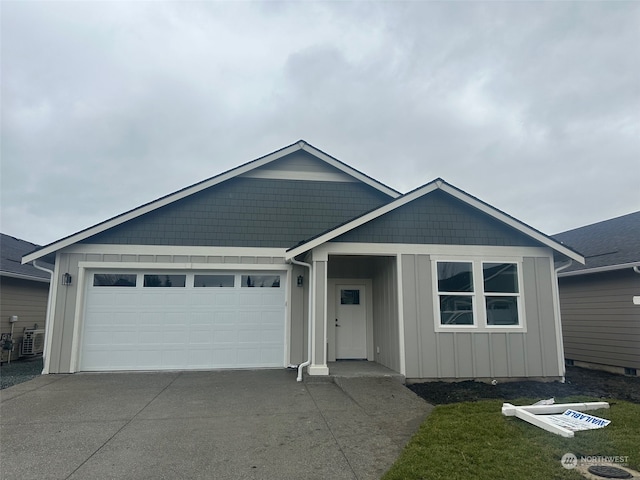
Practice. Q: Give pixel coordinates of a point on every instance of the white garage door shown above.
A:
(165, 321)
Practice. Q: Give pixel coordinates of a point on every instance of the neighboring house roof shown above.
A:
(11, 251)
(243, 170)
(437, 184)
(613, 244)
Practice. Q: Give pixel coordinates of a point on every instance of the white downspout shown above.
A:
(636, 269)
(560, 340)
(47, 322)
(309, 332)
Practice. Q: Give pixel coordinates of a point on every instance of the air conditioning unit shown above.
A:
(32, 342)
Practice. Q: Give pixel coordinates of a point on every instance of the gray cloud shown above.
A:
(532, 107)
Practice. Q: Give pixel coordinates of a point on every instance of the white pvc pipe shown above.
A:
(308, 361)
(47, 323)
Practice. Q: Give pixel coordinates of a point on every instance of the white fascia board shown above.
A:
(361, 220)
(24, 277)
(607, 268)
(154, 205)
(512, 222)
(350, 171)
(175, 250)
(391, 249)
(250, 267)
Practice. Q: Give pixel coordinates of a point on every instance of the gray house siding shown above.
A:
(248, 212)
(436, 218)
(386, 335)
(61, 353)
(26, 299)
(481, 354)
(600, 323)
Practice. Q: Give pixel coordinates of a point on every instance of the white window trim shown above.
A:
(472, 294)
(478, 295)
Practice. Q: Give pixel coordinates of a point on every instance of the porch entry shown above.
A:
(351, 322)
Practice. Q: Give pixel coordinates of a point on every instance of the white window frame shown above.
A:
(472, 294)
(478, 295)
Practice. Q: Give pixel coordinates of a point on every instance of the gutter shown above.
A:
(607, 268)
(309, 330)
(21, 276)
(556, 307)
(47, 322)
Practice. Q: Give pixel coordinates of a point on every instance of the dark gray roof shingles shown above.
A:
(11, 252)
(604, 244)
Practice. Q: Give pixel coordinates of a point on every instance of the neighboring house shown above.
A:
(298, 257)
(600, 321)
(23, 296)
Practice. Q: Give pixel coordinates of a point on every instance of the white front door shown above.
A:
(351, 322)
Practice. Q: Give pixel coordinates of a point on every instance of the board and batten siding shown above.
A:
(481, 354)
(26, 299)
(600, 323)
(66, 302)
(386, 335)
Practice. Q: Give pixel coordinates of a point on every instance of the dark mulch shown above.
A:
(19, 371)
(579, 381)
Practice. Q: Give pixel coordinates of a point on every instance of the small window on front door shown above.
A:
(349, 297)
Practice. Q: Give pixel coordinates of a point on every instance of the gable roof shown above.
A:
(11, 251)
(437, 184)
(243, 170)
(608, 245)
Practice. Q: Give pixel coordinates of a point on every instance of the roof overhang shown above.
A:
(24, 277)
(180, 194)
(438, 184)
(603, 269)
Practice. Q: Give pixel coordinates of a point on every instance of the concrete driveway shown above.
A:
(214, 425)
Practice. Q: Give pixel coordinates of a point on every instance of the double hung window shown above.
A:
(478, 293)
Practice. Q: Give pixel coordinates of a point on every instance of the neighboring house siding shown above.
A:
(481, 354)
(27, 300)
(600, 323)
(248, 212)
(60, 358)
(436, 218)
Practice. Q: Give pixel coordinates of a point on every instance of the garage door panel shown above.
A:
(214, 297)
(224, 357)
(183, 327)
(270, 356)
(225, 337)
(200, 336)
(114, 296)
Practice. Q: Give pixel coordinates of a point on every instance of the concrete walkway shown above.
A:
(210, 425)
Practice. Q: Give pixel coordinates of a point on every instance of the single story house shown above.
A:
(24, 292)
(600, 300)
(297, 258)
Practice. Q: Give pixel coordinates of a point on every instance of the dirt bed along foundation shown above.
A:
(579, 381)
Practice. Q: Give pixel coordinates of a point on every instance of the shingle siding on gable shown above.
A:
(436, 218)
(247, 212)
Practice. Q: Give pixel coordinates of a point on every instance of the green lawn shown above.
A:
(475, 441)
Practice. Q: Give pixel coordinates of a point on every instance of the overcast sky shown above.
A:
(532, 107)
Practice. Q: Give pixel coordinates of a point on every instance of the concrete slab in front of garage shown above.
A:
(226, 424)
